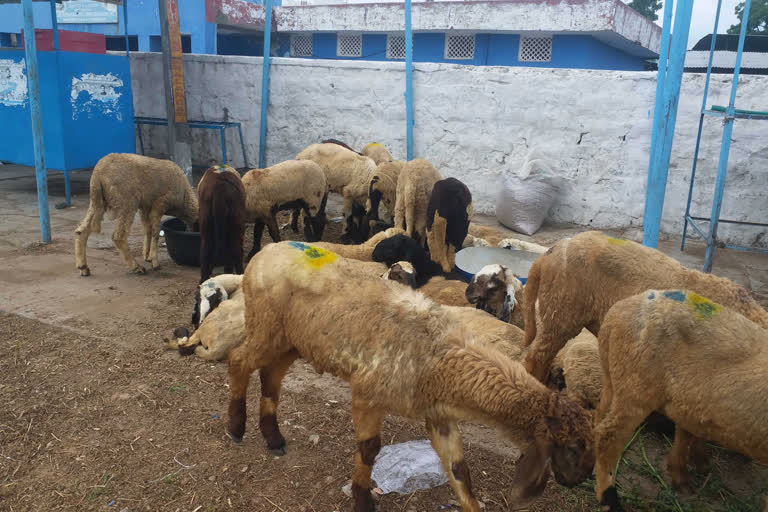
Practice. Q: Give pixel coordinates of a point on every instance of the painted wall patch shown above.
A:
(13, 83)
(96, 94)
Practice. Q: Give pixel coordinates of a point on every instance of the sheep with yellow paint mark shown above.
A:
(703, 365)
(377, 152)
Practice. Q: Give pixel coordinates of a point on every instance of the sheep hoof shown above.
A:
(85, 272)
(235, 439)
(138, 269)
(278, 452)
(187, 350)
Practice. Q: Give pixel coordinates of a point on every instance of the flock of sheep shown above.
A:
(387, 315)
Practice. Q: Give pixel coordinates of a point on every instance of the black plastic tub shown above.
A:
(183, 246)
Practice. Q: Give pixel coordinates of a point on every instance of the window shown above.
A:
(117, 43)
(395, 46)
(156, 43)
(349, 45)
(459, 46)
(535, 49)
(301, 45)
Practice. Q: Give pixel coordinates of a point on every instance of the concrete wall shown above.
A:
(480, 123)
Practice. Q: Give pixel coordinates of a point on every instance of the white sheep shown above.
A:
(289, 185)
(414, 189)
(124, 183)
(377, 152)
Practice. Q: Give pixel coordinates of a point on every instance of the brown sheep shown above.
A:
(362, 252)
(448, 292)
(578, 280)
(289, 185)
(383, 191)
(576, 370)
(497, 290)
(222, 220)
(377, 152)
(414, 188)
(401, 354)
(703, 365)
(124, 183)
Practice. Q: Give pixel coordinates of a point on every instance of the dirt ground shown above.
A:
(95, 414)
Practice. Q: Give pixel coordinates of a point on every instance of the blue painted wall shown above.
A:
(77, 132)
(568, 51)
(143, 21)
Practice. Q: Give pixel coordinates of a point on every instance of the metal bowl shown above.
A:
(469, 261)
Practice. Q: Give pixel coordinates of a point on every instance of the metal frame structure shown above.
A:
(211, 125)
(33, 80)
(728, 114)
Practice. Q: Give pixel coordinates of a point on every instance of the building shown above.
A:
(754, 60)
(584, 34)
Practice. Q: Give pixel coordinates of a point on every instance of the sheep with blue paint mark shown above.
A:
(702, 364)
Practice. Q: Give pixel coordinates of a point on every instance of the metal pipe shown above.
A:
(408, 81)
(33, 81)
(662, 149)
(223, 145)
(725, 146)
(701, 124)
(125, 28)
(265, 83)
(54, 25)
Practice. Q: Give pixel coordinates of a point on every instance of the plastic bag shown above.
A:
(408, 467)
(524, 200)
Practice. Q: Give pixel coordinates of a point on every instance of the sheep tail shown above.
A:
(530, 293)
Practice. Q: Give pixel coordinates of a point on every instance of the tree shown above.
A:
(647, 8)
(758, 18)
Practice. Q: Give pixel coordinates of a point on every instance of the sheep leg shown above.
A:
(410, 218)
(446, 440)
(81, 242)
(240, 369)
(436, 242)
(155, 217)
(612, 433)
(274, 231)
(543, 350)
(258, 229)
(367, 424)
(677, 460)
(271, 380)
(295, 220)
(347, 212)
(145, 224)
(120, 239)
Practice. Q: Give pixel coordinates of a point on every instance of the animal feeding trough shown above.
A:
(469, 261)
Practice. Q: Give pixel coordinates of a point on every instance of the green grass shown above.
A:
(176, 388)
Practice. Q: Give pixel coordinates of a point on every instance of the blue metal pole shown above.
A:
(223, 145)
(242, 145)
(661, 151)
(54, 25)
(701, 124)
(33, 81)
(125, 27)
(661, 74)
(725, 147)
(408, 81)
(265, 83)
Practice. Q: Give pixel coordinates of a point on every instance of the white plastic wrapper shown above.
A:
(407, 467)
(524, 200)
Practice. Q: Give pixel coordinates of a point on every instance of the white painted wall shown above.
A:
(480, 123)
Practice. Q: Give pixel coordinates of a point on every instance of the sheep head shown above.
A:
(208, 296)
(493, 289)
(314, 227)
(402, 272)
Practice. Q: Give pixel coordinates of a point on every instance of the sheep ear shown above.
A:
(531, 474)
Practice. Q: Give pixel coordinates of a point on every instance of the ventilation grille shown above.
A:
(460, 47)
(349, 45)
(301, 45)
(395, 46)
(535, 49)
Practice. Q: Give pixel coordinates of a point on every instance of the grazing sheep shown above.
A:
(124, 183)
(414, 189)
(285, 186)
(497, 290)
(448, 214)
(576, 370)
(703, 365)
(401, 354)
(578, 280)
(377, 152)
(362, 252)
(383, 189)
(222, 220)
(404, 248)
(348, 174)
